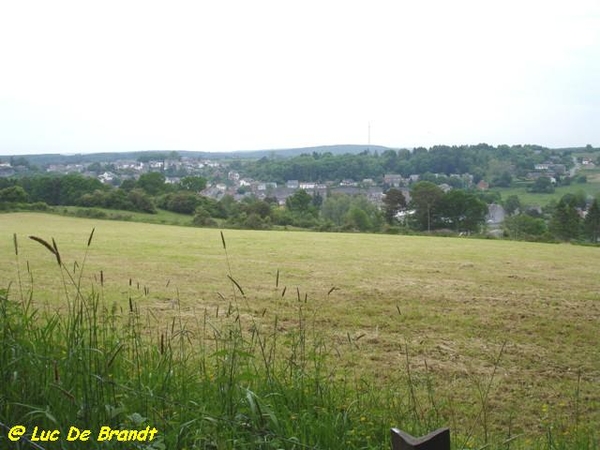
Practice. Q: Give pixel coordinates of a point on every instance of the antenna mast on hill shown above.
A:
(369, 137)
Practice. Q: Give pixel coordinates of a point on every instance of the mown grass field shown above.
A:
(496, 336)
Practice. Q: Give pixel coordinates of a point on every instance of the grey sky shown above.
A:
(80, 76)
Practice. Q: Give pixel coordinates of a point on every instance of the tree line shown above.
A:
(498, 164)
(573, 218)
(146, 194)
(426, 208)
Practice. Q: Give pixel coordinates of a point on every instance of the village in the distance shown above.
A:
(328, 174)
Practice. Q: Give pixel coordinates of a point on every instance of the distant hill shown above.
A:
(286, 153)
(79, 158)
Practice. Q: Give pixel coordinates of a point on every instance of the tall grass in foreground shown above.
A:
(224, 379)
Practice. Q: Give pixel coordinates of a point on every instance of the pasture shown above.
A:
(591, 189)
(493, 337)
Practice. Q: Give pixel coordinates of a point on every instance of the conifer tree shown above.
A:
(592, 221)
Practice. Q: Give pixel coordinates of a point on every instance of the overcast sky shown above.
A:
(223, 75)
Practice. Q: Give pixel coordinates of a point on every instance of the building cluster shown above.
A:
(6, 169)
(230, 182)
(239, 187)
(130, 169)
(224, 181)
(548, 169)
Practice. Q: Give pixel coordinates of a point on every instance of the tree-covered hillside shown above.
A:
(481, 161)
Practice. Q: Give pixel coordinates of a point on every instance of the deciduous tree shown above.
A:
(542, 185)
(425, 198)
(394, 202)
(523, 226)
(152, 183)
(462, 210)
(193, 183)
(512, 204)
(13, 194)
(300, 202)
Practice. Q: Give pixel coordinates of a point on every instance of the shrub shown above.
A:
(202, 219)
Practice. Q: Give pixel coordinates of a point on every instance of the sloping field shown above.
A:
(464, 317)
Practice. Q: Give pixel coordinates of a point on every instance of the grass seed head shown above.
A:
(51, 248)
(89, 242)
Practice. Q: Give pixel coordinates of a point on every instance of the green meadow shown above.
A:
(590, 188)
(291, 339)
